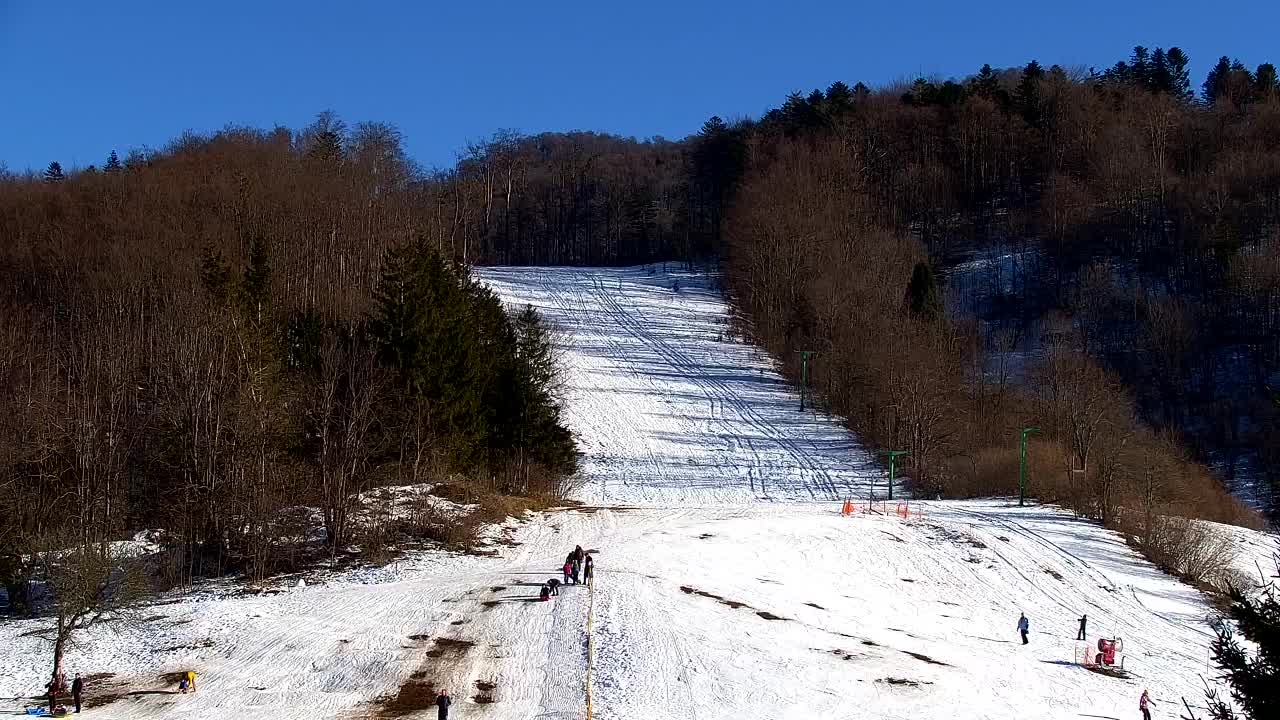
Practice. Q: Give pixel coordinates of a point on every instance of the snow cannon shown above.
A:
(1107, 649)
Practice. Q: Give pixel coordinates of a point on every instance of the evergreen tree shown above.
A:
(53, 173)
(1027, 96)
(1215, 84)
(1140, 67)
(861, 93)
(985, 83)
(923, 299)
(1161, 80)
(1255, 681)
(113, 163)
(1264, 81)
(839, 99)
(1179, 75)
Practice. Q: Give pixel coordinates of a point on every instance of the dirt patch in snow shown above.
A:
(815, 605)
(770, 616)
(419, 692)
(1053, 574)
(723, 601)
(925, 658)
(904, 681)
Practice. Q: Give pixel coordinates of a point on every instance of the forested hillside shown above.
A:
(205, 339)
(1119, 240)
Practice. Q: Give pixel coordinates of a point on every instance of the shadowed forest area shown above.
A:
(200, 337)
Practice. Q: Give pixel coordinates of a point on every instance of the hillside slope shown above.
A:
(728, 585)
(667, 407)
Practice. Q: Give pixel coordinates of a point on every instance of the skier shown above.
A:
(568, 570)
(590, 570)
(1142, 705)
(545, 593)
(77, 689)
(442, 703)
(1024, 625)
(554, 586)
(1083, 619)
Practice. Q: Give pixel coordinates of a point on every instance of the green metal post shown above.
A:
(1022, 464)
(804, 373)
(893, 456)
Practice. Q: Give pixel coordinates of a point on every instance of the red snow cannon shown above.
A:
(1107, 650)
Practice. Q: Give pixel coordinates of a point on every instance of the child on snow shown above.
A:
(545, 593)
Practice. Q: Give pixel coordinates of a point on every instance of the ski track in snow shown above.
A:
(709, 499)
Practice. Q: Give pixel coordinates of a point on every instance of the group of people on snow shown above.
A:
(578, 569)
(57, 685)
(1024, 627)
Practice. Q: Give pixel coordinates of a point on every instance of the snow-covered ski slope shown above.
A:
(728, 585)
(667, 407)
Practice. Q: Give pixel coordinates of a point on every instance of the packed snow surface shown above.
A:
(728, 584)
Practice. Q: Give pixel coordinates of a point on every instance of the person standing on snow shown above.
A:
(589, 571)
(77, 689)
(442, 705)
(568, 570)
(1024, 626)
(1142, 705)
(1083, 619)
(52, 687)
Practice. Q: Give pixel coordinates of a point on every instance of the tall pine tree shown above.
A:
(1028, 93)
(53, 173)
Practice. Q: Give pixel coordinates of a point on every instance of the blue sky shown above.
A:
(81, 77)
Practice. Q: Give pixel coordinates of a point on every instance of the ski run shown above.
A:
(728, 584)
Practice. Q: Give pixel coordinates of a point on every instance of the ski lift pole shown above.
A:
(1022, 463)
(804, 373)
(893, 455)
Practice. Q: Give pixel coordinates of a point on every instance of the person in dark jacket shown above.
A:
(580, 554)
(589, 571)
(554, 586)
(1024, 626)
(1083, 619)
(442, 705)
(544, 594)
(52, 687)
(77, 689)
(577, 569)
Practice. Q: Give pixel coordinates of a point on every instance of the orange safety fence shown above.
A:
(882, 507)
